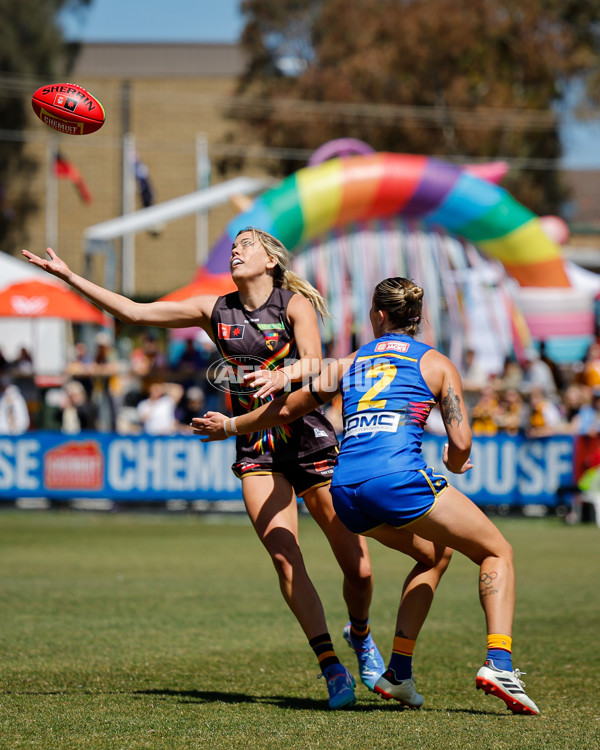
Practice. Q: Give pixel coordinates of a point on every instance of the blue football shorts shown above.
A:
(396, 499)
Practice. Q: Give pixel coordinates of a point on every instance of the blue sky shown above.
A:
(155, 21)
(221, 21)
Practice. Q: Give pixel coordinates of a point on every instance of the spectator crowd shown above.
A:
(139, 387)
(132, 387)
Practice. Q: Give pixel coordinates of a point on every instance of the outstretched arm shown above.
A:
(282, 410)
(193, 311)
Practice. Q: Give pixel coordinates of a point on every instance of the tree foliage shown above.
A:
(31, 48)
(470, 80)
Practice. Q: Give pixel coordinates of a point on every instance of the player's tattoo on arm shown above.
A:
(452, 407)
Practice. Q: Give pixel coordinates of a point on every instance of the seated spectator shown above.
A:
(474, 378)
(128, 420)
(543, 415)
(14, 415)
(148, 358)
(79, 366)
(5, 364)
(511, 376)
(537, 374)
(23, 364)
(590, 374)
(104, 370)
(586, 420)
(573, 400)
(511, 412)
(554, 368)
(157, 412)
(78, 411)
(484, 413)
(192, 405)
(191, 360)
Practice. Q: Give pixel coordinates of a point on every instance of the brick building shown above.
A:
(166, 95)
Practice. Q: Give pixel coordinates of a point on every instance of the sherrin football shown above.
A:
(68, 108)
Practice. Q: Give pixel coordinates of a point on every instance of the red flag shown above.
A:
(68, 171)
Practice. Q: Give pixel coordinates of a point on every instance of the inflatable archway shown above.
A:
(317, 199)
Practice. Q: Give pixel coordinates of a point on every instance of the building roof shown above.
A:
(157, 60)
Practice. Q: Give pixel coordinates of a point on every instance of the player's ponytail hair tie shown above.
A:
(402, 300)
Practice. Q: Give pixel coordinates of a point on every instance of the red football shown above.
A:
(68, 108)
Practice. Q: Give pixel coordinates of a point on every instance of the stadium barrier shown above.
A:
(508, 471)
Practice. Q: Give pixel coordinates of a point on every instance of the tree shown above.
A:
(468, 81)
(31, 48)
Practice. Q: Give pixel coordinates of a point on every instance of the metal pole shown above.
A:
(128, 252)
(202, 182)
(51, 194)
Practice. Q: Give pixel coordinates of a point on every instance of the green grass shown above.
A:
(168, 631)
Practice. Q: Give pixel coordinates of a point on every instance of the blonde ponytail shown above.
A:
(297, 284)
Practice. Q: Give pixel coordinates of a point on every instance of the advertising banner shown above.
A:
(507, 470)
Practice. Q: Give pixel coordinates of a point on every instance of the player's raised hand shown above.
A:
(267, 382)
(56, 266)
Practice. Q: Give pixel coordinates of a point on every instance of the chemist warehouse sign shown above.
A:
(506, 470)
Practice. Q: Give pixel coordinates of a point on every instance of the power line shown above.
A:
(254, 151)
(301, 109)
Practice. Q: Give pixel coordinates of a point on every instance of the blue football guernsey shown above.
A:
(386, 403)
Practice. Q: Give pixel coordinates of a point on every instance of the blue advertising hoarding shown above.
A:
(507, 470)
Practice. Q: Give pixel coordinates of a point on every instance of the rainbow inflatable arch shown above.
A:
(343, 191)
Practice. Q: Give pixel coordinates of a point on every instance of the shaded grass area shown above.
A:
(169, 631)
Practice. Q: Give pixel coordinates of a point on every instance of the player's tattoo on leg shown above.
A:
(487, 587)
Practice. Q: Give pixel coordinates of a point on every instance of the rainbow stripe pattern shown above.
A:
(342, 191)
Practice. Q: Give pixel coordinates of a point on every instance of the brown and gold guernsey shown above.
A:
(248, 339)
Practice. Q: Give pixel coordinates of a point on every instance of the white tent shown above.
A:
(45, 338)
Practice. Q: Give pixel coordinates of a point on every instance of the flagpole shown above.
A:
(202, 182)
(128, 252)
(51, 194)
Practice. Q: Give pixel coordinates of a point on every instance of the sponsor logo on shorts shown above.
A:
(323, 467)
(369, 423)
(248, 467)
(392, 346)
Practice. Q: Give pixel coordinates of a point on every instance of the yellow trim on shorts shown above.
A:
(314, 487)
(427, 512)
(258, 473)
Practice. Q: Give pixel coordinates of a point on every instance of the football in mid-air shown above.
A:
(68, 108)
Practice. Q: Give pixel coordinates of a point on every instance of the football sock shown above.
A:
(324, 651)
(499, 651)
(401, 661)
(359, 629)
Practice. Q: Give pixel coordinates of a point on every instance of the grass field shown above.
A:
(165, 631)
